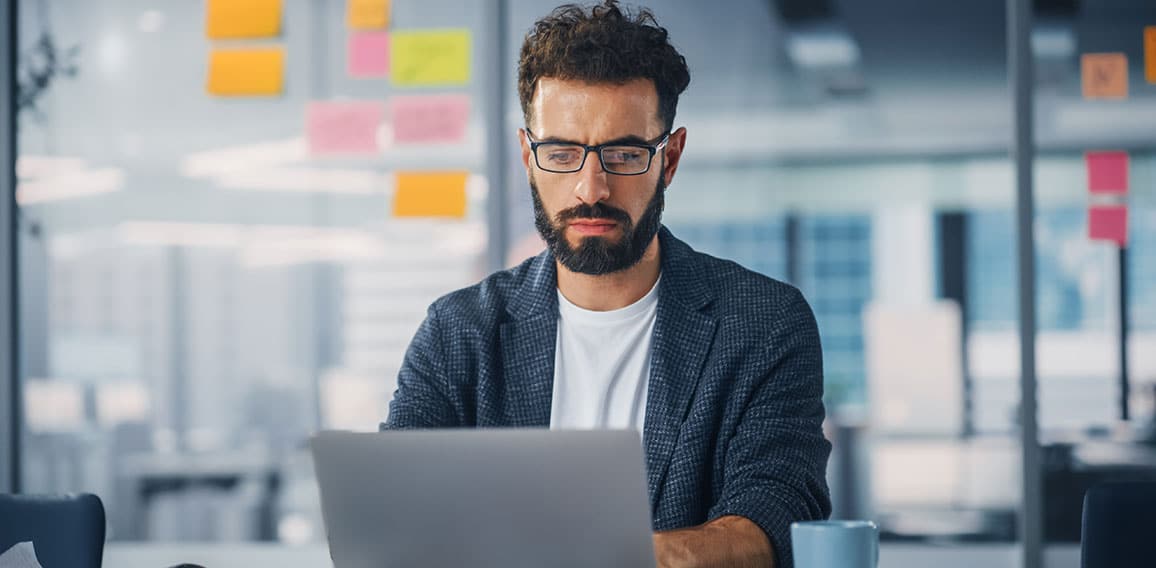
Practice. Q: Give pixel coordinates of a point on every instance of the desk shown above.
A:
(215, 555)
(1071, 469)
(142, 477)
(123, 555)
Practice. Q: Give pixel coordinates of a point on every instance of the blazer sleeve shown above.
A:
(422, 396)
(776, 460)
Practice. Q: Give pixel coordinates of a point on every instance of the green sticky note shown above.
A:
(421, 58)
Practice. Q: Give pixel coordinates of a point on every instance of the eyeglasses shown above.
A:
(623, 159)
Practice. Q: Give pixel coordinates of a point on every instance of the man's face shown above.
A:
(593, 221)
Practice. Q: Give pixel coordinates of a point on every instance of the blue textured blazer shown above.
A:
(734, 408)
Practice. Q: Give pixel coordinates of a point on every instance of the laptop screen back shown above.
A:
(484, 498)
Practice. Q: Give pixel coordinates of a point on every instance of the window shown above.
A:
(207, 293)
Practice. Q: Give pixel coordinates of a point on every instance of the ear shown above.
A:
(527, 157)
(673, 152)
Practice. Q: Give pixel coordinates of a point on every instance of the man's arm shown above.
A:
(776, 460)
(731, 541)
(422, 396)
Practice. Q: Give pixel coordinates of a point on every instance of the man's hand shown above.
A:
(726, 542)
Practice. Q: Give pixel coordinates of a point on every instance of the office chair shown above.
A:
(67, 531)
(1119, 519)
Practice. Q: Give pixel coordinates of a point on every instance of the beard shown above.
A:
(596, 255)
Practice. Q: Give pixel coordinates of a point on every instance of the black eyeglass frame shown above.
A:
(651, 147)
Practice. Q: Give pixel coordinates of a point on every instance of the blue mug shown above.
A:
(835, 544)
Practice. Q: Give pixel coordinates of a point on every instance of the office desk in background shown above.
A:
(145, 480)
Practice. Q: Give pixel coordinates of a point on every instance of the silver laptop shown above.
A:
(484, 499)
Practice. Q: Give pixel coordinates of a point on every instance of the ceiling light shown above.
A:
(33, 167)
(83, 183)
(1053, 42)
(822, 49)
(151, 21)
(303, 179)
(246, 157)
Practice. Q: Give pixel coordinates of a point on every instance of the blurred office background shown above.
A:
(199, 294)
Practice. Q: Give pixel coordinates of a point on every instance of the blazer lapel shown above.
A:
(528, 343)
(682, 340)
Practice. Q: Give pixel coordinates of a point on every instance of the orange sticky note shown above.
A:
(246, 72)
(238, 19)
(1150, 53)
(1105, 75)
(367, 14)
(430, 194)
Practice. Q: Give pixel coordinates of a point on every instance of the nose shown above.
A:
(592, 184)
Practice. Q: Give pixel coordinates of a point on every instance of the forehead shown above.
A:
(589, 112)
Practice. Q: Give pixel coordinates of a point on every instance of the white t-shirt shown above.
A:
(602, 365)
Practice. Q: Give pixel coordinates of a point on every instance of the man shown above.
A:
(618, 324)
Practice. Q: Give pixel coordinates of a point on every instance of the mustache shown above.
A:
(593, 211)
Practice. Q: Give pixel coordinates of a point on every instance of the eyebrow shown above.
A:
(628, 139)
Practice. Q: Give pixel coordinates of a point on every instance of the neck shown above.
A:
(612, 291)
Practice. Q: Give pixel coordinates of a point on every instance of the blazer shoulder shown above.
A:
(740, 287)
(760, 308)
(483, 303)
(757, 304)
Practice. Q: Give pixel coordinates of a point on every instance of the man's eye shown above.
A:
(623, 156)
(562, 156)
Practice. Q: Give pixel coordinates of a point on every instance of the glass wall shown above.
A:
(1096, 426)
(201, 292)
(202, 288)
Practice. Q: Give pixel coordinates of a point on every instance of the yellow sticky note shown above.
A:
(430, 194)
(239, 19)
(430, 57)
(1150, 53)
(1104, 75)
(246, 72)
(367, 14)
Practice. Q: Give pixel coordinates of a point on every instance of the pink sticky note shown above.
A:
(438, 118)
(1107, 172)
(1108, 223)
(343, 127)
(368, 54)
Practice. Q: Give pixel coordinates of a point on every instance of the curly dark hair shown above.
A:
(602, 44)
